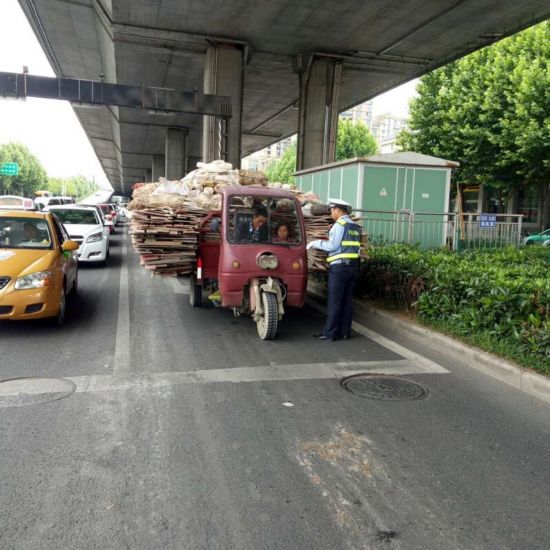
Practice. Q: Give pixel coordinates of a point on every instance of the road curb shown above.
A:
(518, 377)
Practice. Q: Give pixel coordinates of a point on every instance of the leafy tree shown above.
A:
(352, 140)
(283, 170)
(31, 176)
(78, 187)
(491, 112)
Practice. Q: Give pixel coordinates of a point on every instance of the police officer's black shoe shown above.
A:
(325, 338)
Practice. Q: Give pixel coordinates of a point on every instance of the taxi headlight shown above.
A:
(94, 238)
(268, 261)
(39, 279)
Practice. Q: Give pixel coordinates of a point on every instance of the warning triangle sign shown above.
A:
(383, 192)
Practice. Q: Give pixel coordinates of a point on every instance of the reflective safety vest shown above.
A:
(351, 243)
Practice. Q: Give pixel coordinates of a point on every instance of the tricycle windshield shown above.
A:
(257, 219)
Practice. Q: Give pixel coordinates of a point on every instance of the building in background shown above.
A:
(385, 128)
(362, 113)
(261, 159)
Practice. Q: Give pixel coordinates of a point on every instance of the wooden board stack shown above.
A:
(166, 238)
(165, 227)
(317, 227)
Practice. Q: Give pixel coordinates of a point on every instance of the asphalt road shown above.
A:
(187, 432)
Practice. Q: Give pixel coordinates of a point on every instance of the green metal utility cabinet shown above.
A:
(390, 188)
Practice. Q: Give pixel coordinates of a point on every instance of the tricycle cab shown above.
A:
(261, 249)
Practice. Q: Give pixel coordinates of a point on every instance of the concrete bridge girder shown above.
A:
(165, 44)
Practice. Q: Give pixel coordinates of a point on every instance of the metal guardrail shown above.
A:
(505, 231)
(448, 229)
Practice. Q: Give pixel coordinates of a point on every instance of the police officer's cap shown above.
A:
(342, 205)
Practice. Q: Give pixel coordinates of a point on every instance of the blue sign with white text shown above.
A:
(487, 220)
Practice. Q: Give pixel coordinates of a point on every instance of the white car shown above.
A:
(42, 203)
(84, 225)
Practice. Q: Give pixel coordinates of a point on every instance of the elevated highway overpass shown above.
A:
(288, 66)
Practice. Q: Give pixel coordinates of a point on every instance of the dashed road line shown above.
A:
(122, 340)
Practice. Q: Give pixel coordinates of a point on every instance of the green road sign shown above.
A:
(9, 169)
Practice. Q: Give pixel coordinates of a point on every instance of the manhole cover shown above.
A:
(19, 392)
(386, 388)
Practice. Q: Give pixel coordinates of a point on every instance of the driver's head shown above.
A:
(259, 215)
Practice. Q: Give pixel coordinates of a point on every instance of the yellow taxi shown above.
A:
(38, 265)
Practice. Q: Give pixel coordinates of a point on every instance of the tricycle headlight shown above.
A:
(94, 238)
(268, 261)
(39, 279)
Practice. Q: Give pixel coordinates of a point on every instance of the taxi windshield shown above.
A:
(76, 216)
(263, 219)
(20, 232)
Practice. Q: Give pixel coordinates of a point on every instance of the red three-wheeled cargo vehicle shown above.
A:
(252, 256)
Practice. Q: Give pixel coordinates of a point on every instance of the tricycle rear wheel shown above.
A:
(267, 323)
(195, 294)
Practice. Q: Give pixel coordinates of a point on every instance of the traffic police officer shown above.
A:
(343, 247)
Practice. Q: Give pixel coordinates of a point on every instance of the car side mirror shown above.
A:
(70, 246)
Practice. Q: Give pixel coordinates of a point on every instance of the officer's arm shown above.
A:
(334, 239)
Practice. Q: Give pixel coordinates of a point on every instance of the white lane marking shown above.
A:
(273, 373)
(177, 286)
(387, 343)
(122, 341)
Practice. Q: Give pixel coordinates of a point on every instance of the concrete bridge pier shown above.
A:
(223, 75)
(175, 153)
(192, 163)
(158, 167)
(318, 117)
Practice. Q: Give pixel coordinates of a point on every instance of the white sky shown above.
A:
(395, 101)
(50, 128)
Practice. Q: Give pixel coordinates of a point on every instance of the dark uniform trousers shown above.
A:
(341, 282)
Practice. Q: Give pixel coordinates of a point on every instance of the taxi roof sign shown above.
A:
(9, 202)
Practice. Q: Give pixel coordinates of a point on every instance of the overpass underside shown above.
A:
(288, 66)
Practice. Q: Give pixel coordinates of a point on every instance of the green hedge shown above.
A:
(498, 299)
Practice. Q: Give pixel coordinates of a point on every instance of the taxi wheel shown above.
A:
(61, 314)
(267, 324)
(74, 290)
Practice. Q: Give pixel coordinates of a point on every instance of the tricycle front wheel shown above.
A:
(267, 323)
(195, 294)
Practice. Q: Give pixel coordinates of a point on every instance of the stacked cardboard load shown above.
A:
(165, 216)
(317, 227)
(166, 237)
(318, 223)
